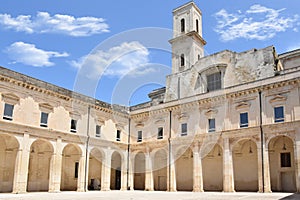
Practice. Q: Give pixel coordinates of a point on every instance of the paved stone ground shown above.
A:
(142, 195)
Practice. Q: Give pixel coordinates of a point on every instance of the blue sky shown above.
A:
(94, 47)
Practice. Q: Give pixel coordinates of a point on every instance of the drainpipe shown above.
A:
(170, 148)
(261, 143)
(128, 153)
(87, 147)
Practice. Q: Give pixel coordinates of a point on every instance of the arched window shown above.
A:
(197, 25)
(182, 60)
(182, 22)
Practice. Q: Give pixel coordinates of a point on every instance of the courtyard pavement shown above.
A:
(143, 195)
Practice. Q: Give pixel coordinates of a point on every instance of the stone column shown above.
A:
(149, 183)
(55, 168)
(171, 172)
(197, 171)
(106, 168)
(81, 173)
(124, 172)
(21, 166)
(297, 162)
(228, 179)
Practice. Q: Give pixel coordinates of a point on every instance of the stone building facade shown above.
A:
(224, 122)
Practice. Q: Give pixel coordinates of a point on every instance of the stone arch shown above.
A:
(70, 167)
(282, 164)
(245, 165)
(41, 152)
(184, 169)
(116, 169)
(9, 147)
(160, 171)
(212, 168)
(139, 170)
(96, 158)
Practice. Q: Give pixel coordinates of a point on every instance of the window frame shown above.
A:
(182, 25)
(182, 60)
(140, 136)
(160, 130)
(278, 119)
(182, 132)
(214, 84)
(118, 135)
(244, 125)
(5, 116)
(98, 131)
(42, 123)
(285, 160)
(212, 121)
(73, 128)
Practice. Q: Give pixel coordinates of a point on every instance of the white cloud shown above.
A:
(258, 22)
(43, 22)
(28, 54)
(129, 58)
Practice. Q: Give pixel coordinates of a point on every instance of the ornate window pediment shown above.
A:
(46, 107)
(278, 98)
(211, 113)
(10, 98)
(183, 117)
(160, 122)
(242, 105)
(139, 125)
(75, 115)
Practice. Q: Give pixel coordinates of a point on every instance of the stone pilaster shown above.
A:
(259, 168)
(124, 172)
(197, 171)
(171, 172)
(21, 166)
(55, 168)
(149, 183)
(131, 172)
(81, 173)
(267, 180)
(106, 169)
(228, 179)
(297, 160)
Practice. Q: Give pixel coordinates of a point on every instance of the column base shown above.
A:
(80, 190)
(54, 191)
(19, 192)
(198, 190)
(229, 191)
(172, 190)
(105, 190)
(151, 189)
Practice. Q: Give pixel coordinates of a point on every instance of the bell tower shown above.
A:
(187, 43)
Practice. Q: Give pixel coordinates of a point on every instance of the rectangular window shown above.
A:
(160, 133)
(279, 114)
(285, 159)
(73, 125)
(8, 111)
(211, 125)
(140, 136)
(214, 81)
(184, 129)
(118, 137)
(243, 120)
(44, 119)
(98, 131)
(76, 169)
